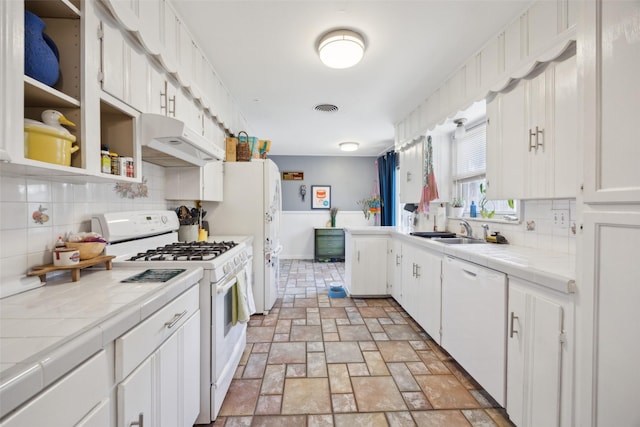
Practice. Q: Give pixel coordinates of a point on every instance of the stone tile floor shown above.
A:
(320, 361)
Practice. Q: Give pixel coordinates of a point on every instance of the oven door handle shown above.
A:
(220, 289)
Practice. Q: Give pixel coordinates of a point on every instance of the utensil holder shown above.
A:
(188, 233)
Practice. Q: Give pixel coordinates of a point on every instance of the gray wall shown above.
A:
(351, 179)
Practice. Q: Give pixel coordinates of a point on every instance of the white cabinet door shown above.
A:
(534, 364)
(421, 287)
(395, 270)
(428, 268)
(69, 400)
(135, 397)
(411, 163)
(609, 66)
(113, 60)
(565, 129)
(189, 345)
(167, 367)
(213, 185)
(195, 183)
(506, 144)
(542, 25)
(168, 37)
(539, 164)
(367, 258)
(100, 416)
(609, 295)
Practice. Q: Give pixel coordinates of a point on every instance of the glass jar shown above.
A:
(115, 164)
(105, 162)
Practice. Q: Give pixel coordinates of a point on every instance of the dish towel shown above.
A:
(430, 189)
(243, 304)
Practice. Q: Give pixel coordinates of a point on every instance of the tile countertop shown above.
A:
(554, 270)
(46, 332)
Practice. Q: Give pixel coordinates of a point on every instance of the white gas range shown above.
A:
(150, 238)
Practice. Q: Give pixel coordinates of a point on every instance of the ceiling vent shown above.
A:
(327, 108)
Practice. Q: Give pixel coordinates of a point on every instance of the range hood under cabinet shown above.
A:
(167, 141)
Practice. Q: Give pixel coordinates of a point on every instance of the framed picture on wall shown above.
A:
(320, 197)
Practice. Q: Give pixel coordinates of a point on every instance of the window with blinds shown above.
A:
(469, 165)
(470, 154)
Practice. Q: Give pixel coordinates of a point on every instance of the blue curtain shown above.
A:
(387, 180)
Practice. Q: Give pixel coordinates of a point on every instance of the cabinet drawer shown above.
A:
(339, 232)
(137, 344)
(68, 400)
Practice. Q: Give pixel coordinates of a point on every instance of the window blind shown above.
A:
(471, 153)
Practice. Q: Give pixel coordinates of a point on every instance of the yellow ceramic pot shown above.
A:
(48, 145)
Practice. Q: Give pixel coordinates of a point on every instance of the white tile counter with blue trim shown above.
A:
(47, 331)
(554, 270)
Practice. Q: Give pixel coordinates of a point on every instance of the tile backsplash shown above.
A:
(35, 211)
(545, 224)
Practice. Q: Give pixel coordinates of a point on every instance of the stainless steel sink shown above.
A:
(458, 240)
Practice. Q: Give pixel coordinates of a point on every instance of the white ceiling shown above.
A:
(265, 53)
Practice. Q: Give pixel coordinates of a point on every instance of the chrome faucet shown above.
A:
(467, 228)
(485, 231)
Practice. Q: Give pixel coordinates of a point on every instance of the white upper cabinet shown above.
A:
(184, 72)
(542, 25)
(141, 17)
(411, 165)
(168, 37)
(539, 34)
(611, 66)
(532, 136)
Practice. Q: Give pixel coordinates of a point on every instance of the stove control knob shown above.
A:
(236, 260)
(164, 219)
(225, 269)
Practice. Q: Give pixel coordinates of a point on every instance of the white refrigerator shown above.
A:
(251, 206)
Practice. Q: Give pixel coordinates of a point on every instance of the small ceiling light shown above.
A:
(349, 146)
(460, 129)
(341, 48)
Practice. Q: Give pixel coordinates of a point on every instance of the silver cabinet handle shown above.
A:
(531, 135)
(417, 271)
(414, 269)
(140, 421)
(511, 330)
(358, 256)
(176, 318)
(538, 143)
(397, 259)
(172, 111)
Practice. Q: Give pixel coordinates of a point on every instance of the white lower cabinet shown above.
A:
(100, 416)
(366, 265)
(421, 287)
(135, 400)
(165, 389)
(394, 270)
(535, 355)
(69, 400)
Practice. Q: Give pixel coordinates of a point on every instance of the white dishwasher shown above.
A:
(474, 322)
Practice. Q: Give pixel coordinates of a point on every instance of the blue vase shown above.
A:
(40, 52)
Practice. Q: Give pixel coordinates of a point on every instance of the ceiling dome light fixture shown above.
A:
(341, 48)
(460, 129)
(349, 146)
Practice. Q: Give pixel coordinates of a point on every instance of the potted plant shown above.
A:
(457, 207)
(370, 206)
(484, 204)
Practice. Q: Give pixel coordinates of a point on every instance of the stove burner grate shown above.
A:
(191, 251)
